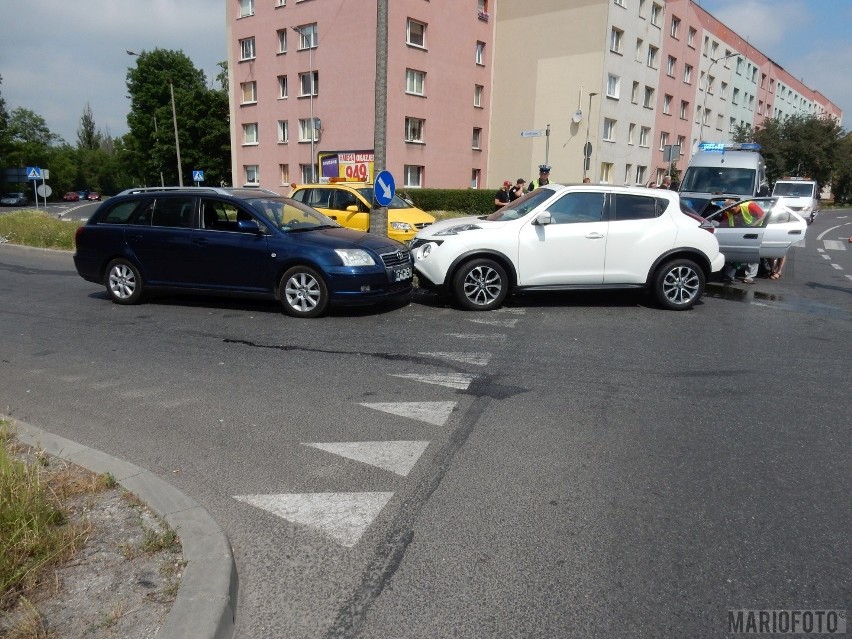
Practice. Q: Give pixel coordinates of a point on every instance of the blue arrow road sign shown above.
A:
(198, 176)
(33, 173)
(384, 188)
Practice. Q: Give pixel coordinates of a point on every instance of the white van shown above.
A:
(800, 194)
(724, 170)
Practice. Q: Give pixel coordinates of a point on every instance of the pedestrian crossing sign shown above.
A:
(198, 176)
(33, 173)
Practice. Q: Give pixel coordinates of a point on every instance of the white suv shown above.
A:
(571, 237)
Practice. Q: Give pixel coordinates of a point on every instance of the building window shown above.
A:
(687, 74)
(667, 104)
(628, 173)
(413, 176)
(246, 8)
(309, 84)
(620, 3)
(416, 34)
(671, 66)
(690, 38)
(283, 132)
(684, 109)
(249, 92)
(477, 95)
(615, 39)
(652, 56)
(634, 93)
(247, 49)
(282, 40)
(639, 45)
(476, 140)
(415, 82)
(673, 32)
(648, 102)
(609, 130)
(307, 173)
(720, 121)
(475, 178)
(732, 125)
(706, 46)
(735, 96)
(644, 134)
(414, 130)
(723, 91)
(250, 133)
(308, 130)
(282, 86)
(631, 132)
(251, 173)
(284, 174)
(664, 140)
(308, 36)
(642, 9)
(480, 52)
(681, 142)
(714, 49)
(656, 12)
(606, 172)
(280, 3)
(640, 174)
(613, 86)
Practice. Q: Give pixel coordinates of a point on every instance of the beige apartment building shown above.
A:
(481, 91)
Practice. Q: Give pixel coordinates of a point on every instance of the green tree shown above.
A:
(841, 183)
(797, 145)
(4, 129)
(202, 120)
(88, 136)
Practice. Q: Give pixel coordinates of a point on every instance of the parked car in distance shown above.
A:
(349, 203)
(571, 237)
(71, 196)
(93, 196)
(83, 195)
(800, 194)
(749, 241)
(236, 241)
(13, 199)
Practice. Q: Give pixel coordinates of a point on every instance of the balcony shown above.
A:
(483, 15)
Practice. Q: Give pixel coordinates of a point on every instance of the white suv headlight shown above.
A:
(355, 257)
(454, 230)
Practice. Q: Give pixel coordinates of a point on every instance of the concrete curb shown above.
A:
(205, 605)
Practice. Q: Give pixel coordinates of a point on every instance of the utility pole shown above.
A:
(177, 143)
(379, 214)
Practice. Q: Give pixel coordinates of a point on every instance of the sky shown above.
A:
(57, 56)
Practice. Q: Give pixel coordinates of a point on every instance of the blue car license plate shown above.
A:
(400, 274)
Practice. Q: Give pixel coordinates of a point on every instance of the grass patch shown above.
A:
(34, 533)
(37, 228)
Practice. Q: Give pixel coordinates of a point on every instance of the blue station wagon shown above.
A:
(236, 241)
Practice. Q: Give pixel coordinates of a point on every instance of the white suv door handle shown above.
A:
(595, 236)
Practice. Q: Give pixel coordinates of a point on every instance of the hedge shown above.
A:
(467, 201)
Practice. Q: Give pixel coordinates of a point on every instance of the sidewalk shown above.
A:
(206, 600)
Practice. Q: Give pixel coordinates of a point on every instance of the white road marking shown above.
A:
(396, 456)
(849, 277)
(342, 516)
(837, 266)
(496, 322)
(451, 380)
(496, 337)
(429, 412)
(826, 257)
(477, 359)
(834, 245)
(819, 250)
(511, 311)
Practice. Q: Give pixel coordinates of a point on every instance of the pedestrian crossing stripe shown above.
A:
(477, 359)
(459, 381)
(435, 413)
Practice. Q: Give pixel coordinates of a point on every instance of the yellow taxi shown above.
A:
(349, 204)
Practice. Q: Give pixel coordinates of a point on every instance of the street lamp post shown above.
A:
(587, 159)
(706, 87)
(311, 72)
(174, 120)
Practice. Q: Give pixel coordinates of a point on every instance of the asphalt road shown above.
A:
(578, 465)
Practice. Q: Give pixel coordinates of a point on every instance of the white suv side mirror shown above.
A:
(543, 218)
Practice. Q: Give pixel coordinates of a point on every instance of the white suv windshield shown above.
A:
(521, 206)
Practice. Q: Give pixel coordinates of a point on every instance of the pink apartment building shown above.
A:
(466, 78)
(302, 76)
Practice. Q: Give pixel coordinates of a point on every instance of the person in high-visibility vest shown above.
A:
(742, 214)
(543, 178)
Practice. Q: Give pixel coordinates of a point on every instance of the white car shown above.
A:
(750, 240)
(571, 237)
